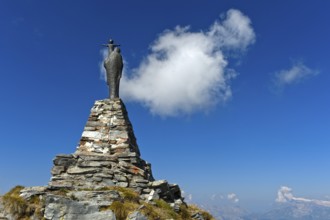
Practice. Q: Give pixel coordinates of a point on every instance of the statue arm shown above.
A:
(107, 45)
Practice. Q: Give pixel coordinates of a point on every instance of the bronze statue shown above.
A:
(113, 65)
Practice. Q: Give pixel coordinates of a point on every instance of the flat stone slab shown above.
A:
(60, 208)
(77, 170)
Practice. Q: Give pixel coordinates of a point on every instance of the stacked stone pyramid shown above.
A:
(108, 155)
(84, 182)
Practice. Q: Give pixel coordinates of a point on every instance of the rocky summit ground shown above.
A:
(38, 203)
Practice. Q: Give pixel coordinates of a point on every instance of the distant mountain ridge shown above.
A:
(287, 207)
(293, 210)
(298, 210)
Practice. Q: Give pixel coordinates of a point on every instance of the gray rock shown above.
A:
(159, 183)
(147, 190)
(121, 178)
(89, 129)
(65, 155)
(94, 124)
(101, 215)
(28, 192)
(77, 170)
(64, 160)
(101, 198)
(175, 190)
(197, 216)
(164, 190)
(60, 208)
(153, 195)
(108, 182)
(97, 179)
(92, 134)
(177, 205)
(94, 163)
(86, 157)
(118, 134)
(57, 170)
(136, 216)
(141, 181)
(122, 184)
(55, 185)
(104, 175)
(142, 185)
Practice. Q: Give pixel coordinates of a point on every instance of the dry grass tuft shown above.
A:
(127, 194)
(20, 208)
(194, 209)
(121, 209)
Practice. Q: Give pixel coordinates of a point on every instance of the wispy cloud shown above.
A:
(295, 74)
(188, 197)
(217, 196)
(187, 71)
(104, 54)
(233, 197)
(284, 194)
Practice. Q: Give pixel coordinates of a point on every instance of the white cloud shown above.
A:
(188, 71)
(235, 32)
(297, 73)
(233, 197)
(104, 54)
(188, 197)
(284, 194)
(217, 196)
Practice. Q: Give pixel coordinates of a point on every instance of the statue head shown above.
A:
(110, 41)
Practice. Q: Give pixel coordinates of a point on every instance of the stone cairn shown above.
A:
(108, 155)
(84, 182)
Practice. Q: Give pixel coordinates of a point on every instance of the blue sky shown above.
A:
(260, 122)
